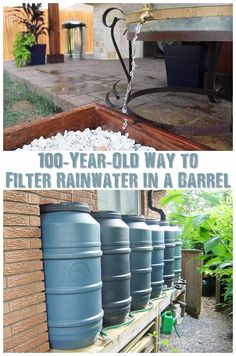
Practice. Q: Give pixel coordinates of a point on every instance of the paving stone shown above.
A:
(75, 83)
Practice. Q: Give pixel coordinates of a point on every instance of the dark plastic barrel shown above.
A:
(169, 235)
(116, 299)
(140, 260)
(177, 254)
(157, 256)
(72, 268)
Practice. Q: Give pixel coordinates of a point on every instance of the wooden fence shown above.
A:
(11, 28)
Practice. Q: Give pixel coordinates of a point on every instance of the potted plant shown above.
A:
(32, 17)
(185, 64)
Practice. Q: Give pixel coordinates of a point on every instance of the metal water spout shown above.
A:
(146, 15)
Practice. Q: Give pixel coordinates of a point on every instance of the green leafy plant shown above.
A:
(32, 17)
(154, 334)
(163, 342)
(206, 219)
(21, 48)
(166, 344)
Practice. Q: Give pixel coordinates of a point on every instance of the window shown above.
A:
(124, 201)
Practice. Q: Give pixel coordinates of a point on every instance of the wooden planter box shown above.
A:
(91, 116)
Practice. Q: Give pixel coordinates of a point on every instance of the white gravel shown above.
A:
(87, 140)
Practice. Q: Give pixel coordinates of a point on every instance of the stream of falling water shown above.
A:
(137, 31)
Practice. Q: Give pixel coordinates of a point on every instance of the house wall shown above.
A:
(25, 319)
(103, 47)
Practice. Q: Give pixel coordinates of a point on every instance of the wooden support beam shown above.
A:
(218, 294)
(158, 328)
(190, 272)
(54, 55)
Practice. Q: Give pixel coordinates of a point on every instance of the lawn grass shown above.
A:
(20, 103)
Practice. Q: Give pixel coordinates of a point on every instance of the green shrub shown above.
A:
(21, 48)
(210, 230)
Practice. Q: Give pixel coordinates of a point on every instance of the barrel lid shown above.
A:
(164, 223)
(45, 208)
(106, 214)
(150, 221)
(178, 242)
(175, 227)
(72, 24)
(133, 218)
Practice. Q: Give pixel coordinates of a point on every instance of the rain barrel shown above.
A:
(177, 254)
(140, 260)
(116, 299)
(72, 267)
(157, 256)
(169, 235)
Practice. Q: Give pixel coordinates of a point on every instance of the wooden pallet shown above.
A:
(142, 341)
(132, 337)
(144, 345)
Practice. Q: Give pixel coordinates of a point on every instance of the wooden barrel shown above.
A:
(205, 22)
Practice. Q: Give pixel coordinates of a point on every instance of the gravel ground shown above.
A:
(212, 332)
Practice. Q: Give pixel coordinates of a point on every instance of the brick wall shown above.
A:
(156, 198)
(25, 320)
(25, 326)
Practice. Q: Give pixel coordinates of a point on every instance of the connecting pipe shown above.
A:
(183, 306)
(146, 15)
(153, 208)
(181, 303)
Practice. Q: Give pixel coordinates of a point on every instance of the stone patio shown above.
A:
(75, 83)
